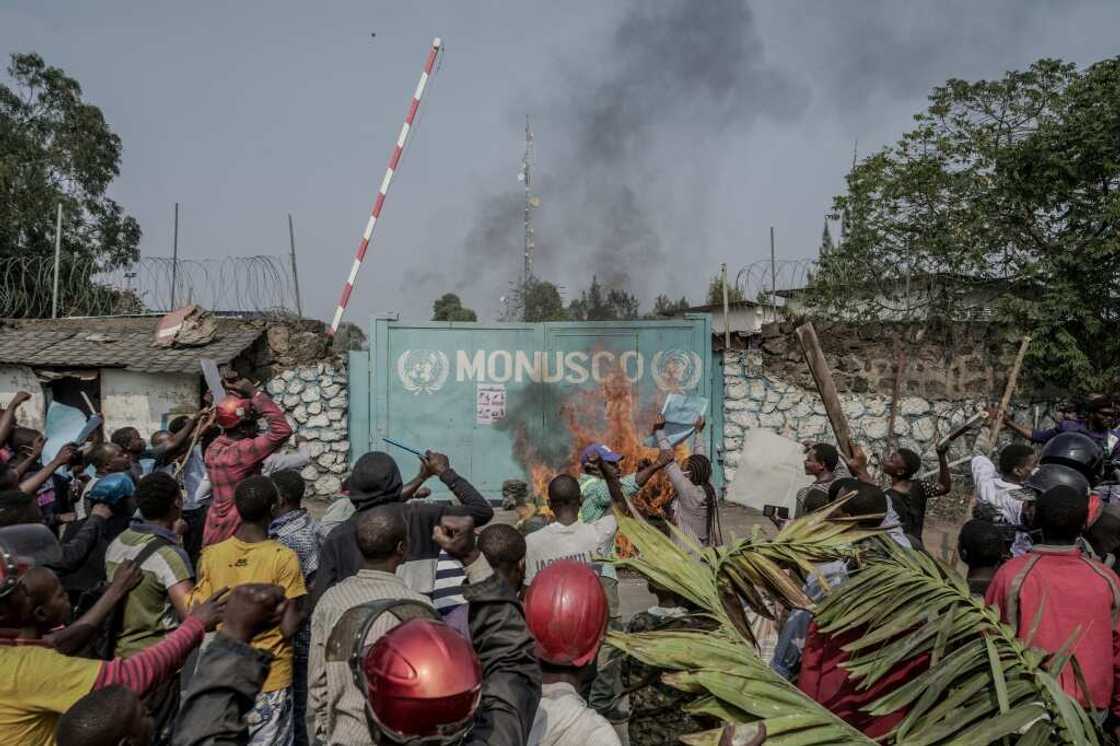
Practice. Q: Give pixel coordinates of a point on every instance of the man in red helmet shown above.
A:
(423, 682)
(238, 452)
(566, 610)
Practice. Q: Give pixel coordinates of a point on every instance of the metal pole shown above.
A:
(295, 271)
(174, 257)
(57, 259)
(726, 323)
(773, 272)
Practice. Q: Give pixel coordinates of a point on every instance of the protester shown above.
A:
(38, 683)
(1098, 424)
(82, 581)
(238, 452)
(908, 495)
(106, 459)
(515, 494)
(695, 508)
(821, 462)
(249, 556)
(294, 527)
(337, 706)
(161, 601)
(1079, 599)
(1000, 496)
(566, 610)
(982, 547)
(504, 548)
(113, 716)
(18, 507)
(376, 480)
(657, 710)
(8, 415)
(131, 443)
(193, 475)
(51, 489)
(440, 704)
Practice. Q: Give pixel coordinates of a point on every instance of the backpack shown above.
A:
(104, 644)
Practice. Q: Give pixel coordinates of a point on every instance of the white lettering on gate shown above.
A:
(492, 366)
(470, 369)
(557, 374)
(576, 363)
(527, 370)
(595, 369)
(639, 365)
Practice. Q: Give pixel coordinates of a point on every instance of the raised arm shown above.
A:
(857, 464)
(944, 475)
(8, 418)
(476, 506)
(30, 454)
(32, 484)
(69, 640)
(413, 486)
(76, 551)
(278, 430)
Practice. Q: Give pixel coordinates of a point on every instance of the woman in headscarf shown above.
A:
(695, 505)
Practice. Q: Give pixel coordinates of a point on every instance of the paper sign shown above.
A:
(680, 413)
(490, 403)
(213, 379)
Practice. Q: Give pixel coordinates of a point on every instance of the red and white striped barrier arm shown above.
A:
(394, 162)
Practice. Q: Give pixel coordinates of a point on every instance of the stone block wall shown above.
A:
(755, 397)
(315, 399)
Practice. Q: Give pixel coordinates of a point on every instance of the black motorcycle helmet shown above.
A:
(1052, 475)
(1076, 451)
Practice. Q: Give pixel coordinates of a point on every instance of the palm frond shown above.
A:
(982, 684)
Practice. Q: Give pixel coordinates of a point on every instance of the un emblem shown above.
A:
(676, 370)
(422, 371)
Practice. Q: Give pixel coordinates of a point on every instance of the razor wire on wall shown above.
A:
(249, 285)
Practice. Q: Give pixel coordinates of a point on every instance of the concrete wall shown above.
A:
(15, 378)
(316, 401)
(141, 400)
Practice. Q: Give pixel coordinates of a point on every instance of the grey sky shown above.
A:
(669, 135)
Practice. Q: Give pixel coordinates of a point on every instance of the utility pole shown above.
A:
(295, 271)
(57, 260)
(525, 178)
(726, 309)
(773, 273)
(174, 257)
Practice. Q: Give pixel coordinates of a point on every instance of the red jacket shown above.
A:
(823, 679)
(230, 460)
(1075, 593)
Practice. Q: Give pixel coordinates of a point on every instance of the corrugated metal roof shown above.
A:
(95, 344)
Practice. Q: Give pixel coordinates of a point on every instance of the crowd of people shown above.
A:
(178, 592)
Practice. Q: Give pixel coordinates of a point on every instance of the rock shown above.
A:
(315, 407)
(309, 473)
(328, 485)
(731, 430)
(317, 449)
(732, 405)
(310, 373)
(789, 400)
(319, 420)
(818, 406)
(773, 421)
(800, 410)
(290, 400)
(336, 414)
(339, 468)
(901, 426)
(275, 387)
(853, 408)
(295, 386)
(757, 390)
(913, 406)
(300, 414)
(287, 375)
(745, 420)
(291, 422)
(732, 460)
(339, 402)
(877, 407)
(772, 399)
(728, 475)
(924, 430)
(342, 445)
(327, 458)
(875, 427)
(812, 425)
(732, 445)
(311, 393)
(279, 339)
(332, 435)
(736, 391)
(330, 390)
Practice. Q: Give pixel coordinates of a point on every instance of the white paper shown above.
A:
(490, 403)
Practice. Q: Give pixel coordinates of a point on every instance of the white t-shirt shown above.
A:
(564, 718)
(579, 541)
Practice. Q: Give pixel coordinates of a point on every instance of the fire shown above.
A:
(609, 415)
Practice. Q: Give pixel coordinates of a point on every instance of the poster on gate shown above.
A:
(490, 403)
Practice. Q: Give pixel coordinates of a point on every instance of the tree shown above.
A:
(715, 293)
(54, 148)
(449, 308)
(599, 304)
(664, 306)
(1011, 183)
(541, 301)
(826, 241)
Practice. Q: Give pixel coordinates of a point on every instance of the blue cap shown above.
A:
(112, 489)
(606, 454)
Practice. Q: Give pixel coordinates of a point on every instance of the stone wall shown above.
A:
(754, 397)
(315, 398)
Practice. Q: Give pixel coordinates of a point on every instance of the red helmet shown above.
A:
(231, 412)
(566, 610)
(423, 683)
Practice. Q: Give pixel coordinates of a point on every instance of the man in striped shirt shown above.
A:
(338, 705)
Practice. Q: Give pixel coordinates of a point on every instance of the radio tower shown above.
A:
(530, 202)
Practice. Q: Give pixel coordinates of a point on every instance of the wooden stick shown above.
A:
(88, 402)
(961, 430)
(818, 366)
(1012, 380)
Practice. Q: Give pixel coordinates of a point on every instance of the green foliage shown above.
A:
(1008, 189)
(448, 307)
(541, 301)
(827, 244)
(715, 293)
(56, 148)
(603, 304)
(663, 306)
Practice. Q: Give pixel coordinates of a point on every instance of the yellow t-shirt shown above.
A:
(234, 562)
(37, 685)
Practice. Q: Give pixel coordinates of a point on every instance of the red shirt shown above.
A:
(229, 460)
(1075, 594)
